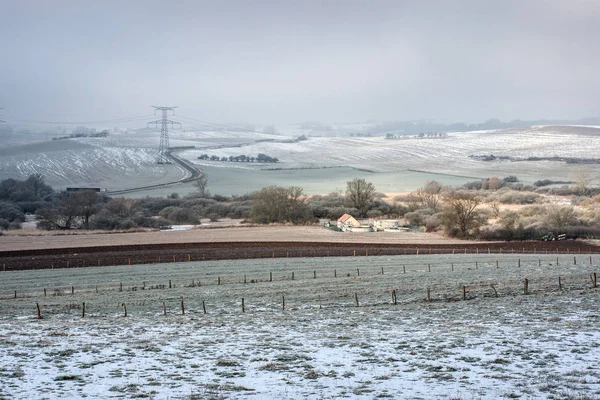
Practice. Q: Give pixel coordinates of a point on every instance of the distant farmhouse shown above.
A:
(347, 223)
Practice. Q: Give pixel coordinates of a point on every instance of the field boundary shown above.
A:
(185, 252)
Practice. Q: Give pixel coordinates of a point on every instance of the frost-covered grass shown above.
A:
(543, 345)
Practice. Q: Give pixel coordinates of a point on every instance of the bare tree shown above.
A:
(122, 207)
(560, 217)
(74, 211)
(495, 206)
(461, 212)
(582, 181)
(428, 196)
(201, 183)
(494, 183)
(278, 204)
(360, 194)
(86, 205)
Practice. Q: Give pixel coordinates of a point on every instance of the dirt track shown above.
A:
(122, 249)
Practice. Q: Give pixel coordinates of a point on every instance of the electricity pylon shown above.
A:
(163, 149)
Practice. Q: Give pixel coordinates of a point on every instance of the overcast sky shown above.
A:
(284, 61)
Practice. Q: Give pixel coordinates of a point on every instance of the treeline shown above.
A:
(261, 158)
(482, 209)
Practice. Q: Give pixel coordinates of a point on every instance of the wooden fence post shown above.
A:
(39, 313)
(283, 303)
(72, 290)
(124, 308)
(428, 267)
(496, 263)
(464, 292)
(219, 280)
(292, 275)
(452, 267)
(394, 300)
(170, 284)
(244, 278)
(203, 307)
(381, 270)
(404, 268)
(526, 287)
(356, 299)
(44, 292)
(165, 308)
(320, 304)
(476, 265)
(428, 295)
(182, 306)
(243, 306)
(270, 277)
(574, 260)
(83, 310)
(335, 273)
(559, 284)
(314, 274)
(121, 287)
(519, 263)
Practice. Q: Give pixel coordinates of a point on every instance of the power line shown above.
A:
(107, 121)
(215, 124)
(163, 149)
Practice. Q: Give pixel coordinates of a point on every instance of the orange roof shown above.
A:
(344, 218)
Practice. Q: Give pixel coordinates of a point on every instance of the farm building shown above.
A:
(347, 221)
(387, 225)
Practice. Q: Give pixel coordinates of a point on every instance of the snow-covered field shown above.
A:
(90, 162)
(541, 345)
(320, 164)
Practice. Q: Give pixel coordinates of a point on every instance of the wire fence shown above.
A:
(303, 288)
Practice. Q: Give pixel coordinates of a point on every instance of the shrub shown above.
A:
(11, 212)
(418, 217)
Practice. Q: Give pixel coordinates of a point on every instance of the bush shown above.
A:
(11, 212)
(374, 214)
(418, 217)
(180, 215)
(508, 196)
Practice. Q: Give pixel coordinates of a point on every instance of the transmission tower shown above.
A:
(163, 149)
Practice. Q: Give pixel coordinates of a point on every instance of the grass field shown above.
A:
(540, 345)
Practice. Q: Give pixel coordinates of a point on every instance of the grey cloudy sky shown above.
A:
(291, 61)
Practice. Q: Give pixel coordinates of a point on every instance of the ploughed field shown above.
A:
(460, 326)
(108, 255)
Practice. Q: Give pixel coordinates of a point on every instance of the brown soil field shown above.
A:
(208, 235)
(72, 251)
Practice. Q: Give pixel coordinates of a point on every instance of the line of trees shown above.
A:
(465, 212)
(261, 158)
